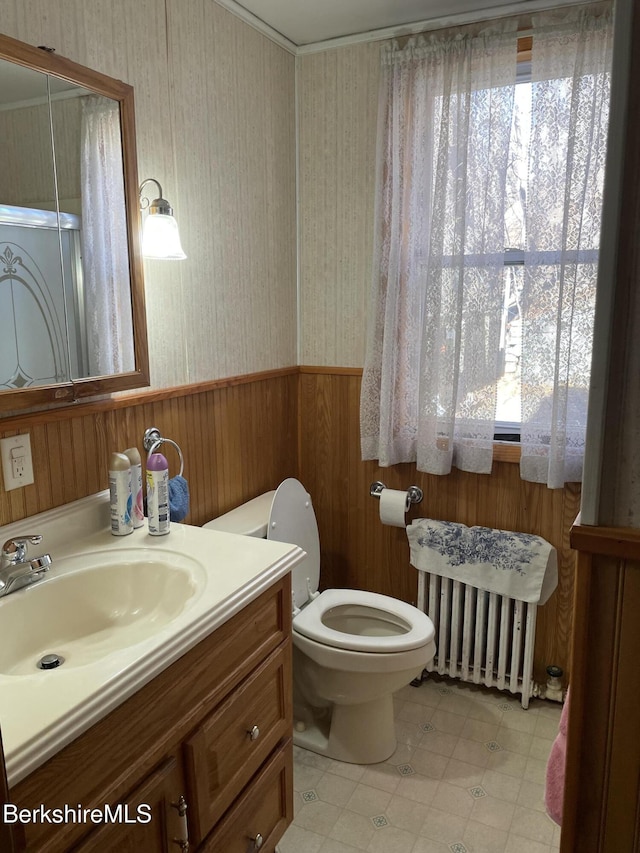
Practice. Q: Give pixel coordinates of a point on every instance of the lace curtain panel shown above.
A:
(428, 388)
(447, 138)
(105, 253)
(570, 114)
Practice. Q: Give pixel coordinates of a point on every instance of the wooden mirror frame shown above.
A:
(47, 62)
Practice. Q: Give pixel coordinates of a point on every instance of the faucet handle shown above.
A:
(16, 549)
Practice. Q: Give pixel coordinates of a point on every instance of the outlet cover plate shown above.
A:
(17, 465)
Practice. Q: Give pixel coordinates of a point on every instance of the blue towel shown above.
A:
(178, 498)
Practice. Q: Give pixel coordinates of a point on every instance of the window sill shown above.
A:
(506, 451)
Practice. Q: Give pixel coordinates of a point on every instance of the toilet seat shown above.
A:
(415, 629)
(292, 519)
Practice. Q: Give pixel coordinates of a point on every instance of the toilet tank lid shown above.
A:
(249, 519)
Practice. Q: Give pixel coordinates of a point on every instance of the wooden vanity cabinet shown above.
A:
(206, 745)
(162, 791)
(230, 746)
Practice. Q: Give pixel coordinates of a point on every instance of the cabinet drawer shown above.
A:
(265, 809)
(228, 748)
(161, 791)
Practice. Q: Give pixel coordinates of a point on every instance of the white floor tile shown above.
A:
(509, 763)
(535, 770)
(442, 826)
(440, 742)
(348, 771)
(443, 789)
(429, 763)
(418, 788)
(501, 786)
(478, 730)
(514, 741)
(391, 839)
(533, 824)
(368, 801)
(414, 712)
(383, 776)
(519, 720)
(546, 727)
(531, 795)
(353, 829)
(406, 814)
(297, 839)
(484, 839)
(450, 798)
(463, 774)
(319, 817)
(473, 752)
(333, 846)
(444, 721)
(428, 845)
(518, 844)
(540, 748)
(408, 733)
(492, 812)
(335, 789)
(305, 777)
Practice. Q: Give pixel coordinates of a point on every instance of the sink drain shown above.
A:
(50, 661)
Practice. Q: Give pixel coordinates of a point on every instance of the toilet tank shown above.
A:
(249, 519)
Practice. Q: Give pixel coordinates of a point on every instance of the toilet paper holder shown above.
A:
(414, 493)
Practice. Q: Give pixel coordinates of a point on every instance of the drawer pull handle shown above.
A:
(181, 806)
(258, 841)
(254, 734)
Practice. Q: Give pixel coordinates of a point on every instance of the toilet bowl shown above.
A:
(351, 649)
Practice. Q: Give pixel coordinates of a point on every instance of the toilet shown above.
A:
(351, 649)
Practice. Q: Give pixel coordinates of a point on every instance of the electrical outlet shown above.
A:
(17, 465)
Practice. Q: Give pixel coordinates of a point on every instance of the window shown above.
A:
(489, 196)
(509, 387)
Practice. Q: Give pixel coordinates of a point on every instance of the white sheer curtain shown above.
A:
(105, 256)
(569, 112)
(429, 382)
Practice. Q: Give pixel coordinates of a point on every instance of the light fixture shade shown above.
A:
(161, 238)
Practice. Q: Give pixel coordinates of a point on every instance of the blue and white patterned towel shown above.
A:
(518, 565)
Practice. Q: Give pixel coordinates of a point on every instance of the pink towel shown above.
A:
(554, 791)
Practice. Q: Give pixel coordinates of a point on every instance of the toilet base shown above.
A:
(357, 734)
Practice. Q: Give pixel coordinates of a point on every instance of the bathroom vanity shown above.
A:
(198, 756)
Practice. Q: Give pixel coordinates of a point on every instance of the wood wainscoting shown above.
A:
(602, 785)
(358, 551)
(242, 436)
(238, 437)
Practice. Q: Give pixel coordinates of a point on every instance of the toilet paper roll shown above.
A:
(393, 506)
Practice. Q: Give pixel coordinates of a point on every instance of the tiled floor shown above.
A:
(467, 777)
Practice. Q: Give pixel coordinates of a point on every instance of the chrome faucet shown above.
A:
(16, 568)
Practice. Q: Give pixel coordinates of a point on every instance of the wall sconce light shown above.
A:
(160, 235)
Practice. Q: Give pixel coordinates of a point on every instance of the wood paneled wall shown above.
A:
(602, 785)
(358, 551)
(242, 438)
(238, 441)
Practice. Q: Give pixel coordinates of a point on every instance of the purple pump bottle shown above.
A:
(158, 494)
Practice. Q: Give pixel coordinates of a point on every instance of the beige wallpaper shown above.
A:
(338, 103)
(26, 145)
(215, 125)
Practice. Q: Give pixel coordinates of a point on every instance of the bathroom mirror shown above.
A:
(71, 286)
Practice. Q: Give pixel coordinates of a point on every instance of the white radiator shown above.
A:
(481, 636)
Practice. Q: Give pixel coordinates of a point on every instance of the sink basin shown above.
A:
(89, 607)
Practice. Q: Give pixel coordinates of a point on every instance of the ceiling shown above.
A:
(304, 22)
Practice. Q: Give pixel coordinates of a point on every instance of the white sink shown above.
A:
(100, 603)
(119, 610)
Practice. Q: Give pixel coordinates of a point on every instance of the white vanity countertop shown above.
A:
(42, 712)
